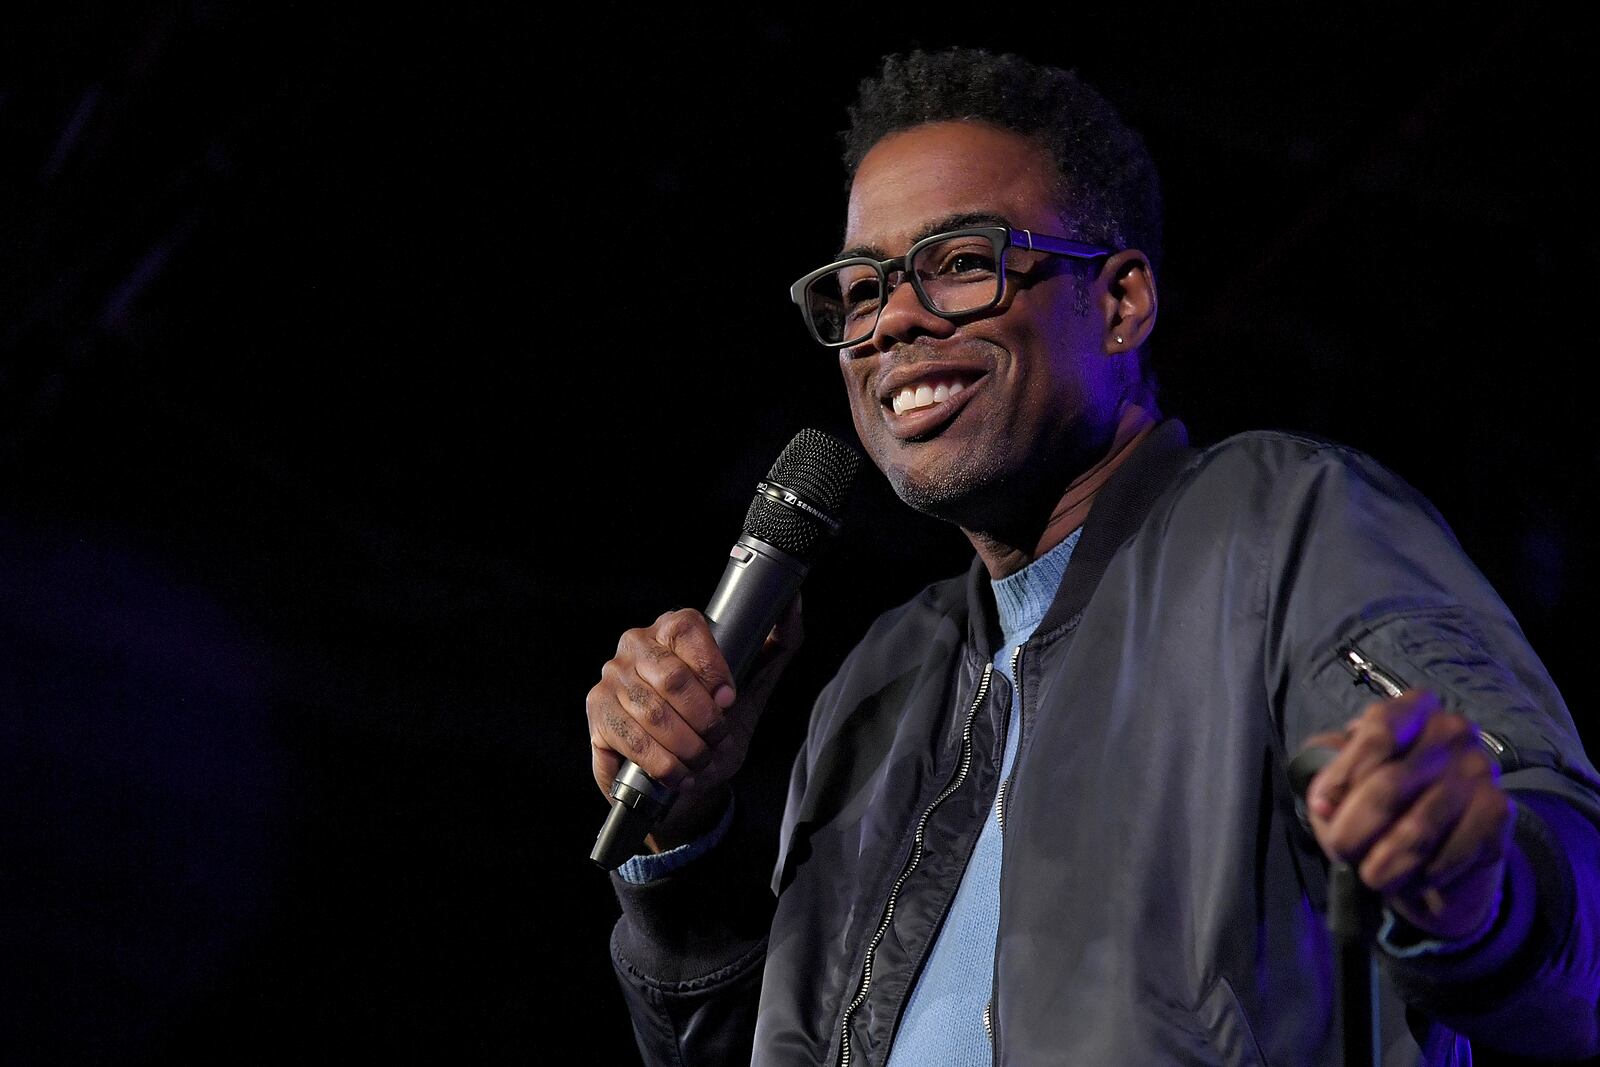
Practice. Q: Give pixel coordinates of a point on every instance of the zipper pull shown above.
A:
(1370, 674)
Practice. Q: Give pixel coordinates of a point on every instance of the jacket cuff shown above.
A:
(1536, 906)
(702, 921)
(1400, 939)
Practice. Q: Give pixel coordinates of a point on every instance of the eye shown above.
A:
(969, 263)
(861, 296)
(957, 259)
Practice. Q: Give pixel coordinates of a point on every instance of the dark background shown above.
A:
(363, 375)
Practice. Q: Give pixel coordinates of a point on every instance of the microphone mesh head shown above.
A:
(819, 469)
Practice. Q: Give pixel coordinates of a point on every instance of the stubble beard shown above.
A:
(988, 494)
(981, 490)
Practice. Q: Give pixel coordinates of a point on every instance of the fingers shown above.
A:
(660, 701)
(1481, 836)
(1398, 853)
(1386, 729)
(1376, 801)
(615, 735)
(667, 702)
(1413, 800)
(1454, 893)
(1408, 800)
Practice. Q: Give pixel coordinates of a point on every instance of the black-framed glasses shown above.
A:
(954, 274)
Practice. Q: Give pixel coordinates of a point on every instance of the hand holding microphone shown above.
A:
(1410, 797)
(675, 708)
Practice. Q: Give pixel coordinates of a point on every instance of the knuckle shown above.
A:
(1373, 730)
(622, 735)
(677, 679)
(676, 623)
(638, 745)
(630, 640)
(1384, 788)
(594, 703)
(652, 709)
(706, 666)
(1412, 831)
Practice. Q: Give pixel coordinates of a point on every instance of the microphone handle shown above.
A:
(1353, 913)
(757, 584)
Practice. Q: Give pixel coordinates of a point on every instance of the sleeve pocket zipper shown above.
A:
(1386, 683)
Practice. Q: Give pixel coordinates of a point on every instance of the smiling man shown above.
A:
(1042, 813)
(1037, 385)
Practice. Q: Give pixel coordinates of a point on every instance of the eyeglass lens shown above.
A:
(955, 275)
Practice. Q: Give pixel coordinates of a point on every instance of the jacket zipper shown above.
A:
(911, 864)
(1386, 684)
(1005, 786)
(1000, 818)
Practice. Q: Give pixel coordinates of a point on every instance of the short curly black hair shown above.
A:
(1109, 191)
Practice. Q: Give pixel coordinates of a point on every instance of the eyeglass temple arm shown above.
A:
(1061, 246)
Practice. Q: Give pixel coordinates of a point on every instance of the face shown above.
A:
(1023, 397)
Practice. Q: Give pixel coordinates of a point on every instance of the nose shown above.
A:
(904, 318)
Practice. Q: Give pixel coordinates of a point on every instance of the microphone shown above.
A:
(795, 509)
(1352, 920)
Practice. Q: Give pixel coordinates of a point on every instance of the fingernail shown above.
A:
(1321, 802)
(724, 696)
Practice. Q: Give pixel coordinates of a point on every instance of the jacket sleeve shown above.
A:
(688, 952)
(1356, 559)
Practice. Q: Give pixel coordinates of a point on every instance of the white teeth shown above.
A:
(914, 398)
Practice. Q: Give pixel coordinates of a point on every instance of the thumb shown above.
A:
(789, 632)
(781, 645)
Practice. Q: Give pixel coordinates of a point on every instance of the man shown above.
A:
(1042, 813)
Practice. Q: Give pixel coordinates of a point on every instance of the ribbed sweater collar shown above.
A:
(1023, 597)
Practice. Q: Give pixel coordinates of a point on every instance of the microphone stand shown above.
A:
(1353, 921)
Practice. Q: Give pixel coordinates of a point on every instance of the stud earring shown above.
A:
(1117, 338)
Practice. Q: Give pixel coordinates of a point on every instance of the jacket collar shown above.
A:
(1119, 509)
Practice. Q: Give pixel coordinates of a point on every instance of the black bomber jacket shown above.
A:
(1160, 899)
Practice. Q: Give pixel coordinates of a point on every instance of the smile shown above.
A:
(925, 395)
(919, 401)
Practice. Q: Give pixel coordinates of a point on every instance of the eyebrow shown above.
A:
(949, 222)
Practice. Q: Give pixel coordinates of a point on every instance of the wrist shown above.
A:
(689, 819)
(649, 867)
(1402, 938)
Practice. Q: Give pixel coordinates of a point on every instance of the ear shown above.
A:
(1129, 303)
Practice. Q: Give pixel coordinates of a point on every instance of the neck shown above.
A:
(1003, 556)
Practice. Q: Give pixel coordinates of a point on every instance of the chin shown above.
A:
(962, 496)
